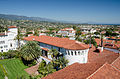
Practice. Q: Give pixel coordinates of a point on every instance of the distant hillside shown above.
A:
(16, 17)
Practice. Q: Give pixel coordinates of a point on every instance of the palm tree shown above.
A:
(62, 62)
(19, 37)
(30, 51)
(78, 33)
(36, 32)
(45, 69)
(54, 53)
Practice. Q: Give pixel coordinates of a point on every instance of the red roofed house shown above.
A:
(72, 50)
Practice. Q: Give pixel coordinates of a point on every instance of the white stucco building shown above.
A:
(7, 39)
(70, 32)
(88, 30)
(72, 50)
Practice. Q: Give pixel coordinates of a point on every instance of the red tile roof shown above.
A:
(59, 42)
(109, 43)
(45, 49)
(116, 63)
(1, 34)
(89, 70)
(105, 56)
(106, 72)
(75, 71)
(32, 70)
(12, 27)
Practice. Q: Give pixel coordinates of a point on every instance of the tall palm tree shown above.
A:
(78, 33)
(19, 37)
(54, 53)
(62, 62)
(30, 51)
(45, 69)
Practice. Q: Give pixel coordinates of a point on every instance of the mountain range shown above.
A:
(17, 17)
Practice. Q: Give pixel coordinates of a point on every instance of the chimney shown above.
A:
(5, 32)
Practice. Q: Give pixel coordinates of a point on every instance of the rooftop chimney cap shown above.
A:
(33, 38)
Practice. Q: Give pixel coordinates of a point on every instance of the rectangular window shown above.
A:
(5, 46)
(11, 45)
(2, 42)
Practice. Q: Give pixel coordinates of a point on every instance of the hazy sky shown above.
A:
(82, 11)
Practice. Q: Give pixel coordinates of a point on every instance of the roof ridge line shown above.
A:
(115, 60)
(96, 71)
(115, 67)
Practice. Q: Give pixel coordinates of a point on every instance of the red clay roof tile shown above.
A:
(116, 63)
(75, 71)
(59, 42)
(12, 27)
(106, 72)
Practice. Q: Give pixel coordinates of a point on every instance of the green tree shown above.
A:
(36, 32)
(45, 69)
(54, 53)
(78, 33)
(60, 63)
(30, 51)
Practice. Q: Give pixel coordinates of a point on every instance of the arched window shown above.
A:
(82, 51)
(68, 53)
(78, 53)
(71, 52)
(75, 53)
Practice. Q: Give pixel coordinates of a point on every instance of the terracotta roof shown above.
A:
(67, 29)
(59, 42)
(103, 57)
(106, 72)
(2, 34)
(45, 49)
(75, 71)
(98, 41)
(12, 27)
(32, 70)
(109, 43)
(116, 63)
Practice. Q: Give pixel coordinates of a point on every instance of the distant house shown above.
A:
(7, 39)
(88, 30)
(70, 32)
(73, 50)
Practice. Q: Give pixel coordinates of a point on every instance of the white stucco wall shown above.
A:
(9, 40)
(81, 57)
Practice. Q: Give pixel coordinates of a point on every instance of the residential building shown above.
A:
(73, 50)
(70, 32)
(7, 39)
(88, 30)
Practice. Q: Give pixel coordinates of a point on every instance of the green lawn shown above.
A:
(14, 67)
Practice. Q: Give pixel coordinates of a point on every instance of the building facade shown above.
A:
(7, 39)
(88, 30)
(72, 50)
(70, 32)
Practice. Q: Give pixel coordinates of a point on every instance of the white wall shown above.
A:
(81, 57)
(9, 39)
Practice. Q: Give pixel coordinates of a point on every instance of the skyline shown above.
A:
(78, 11)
